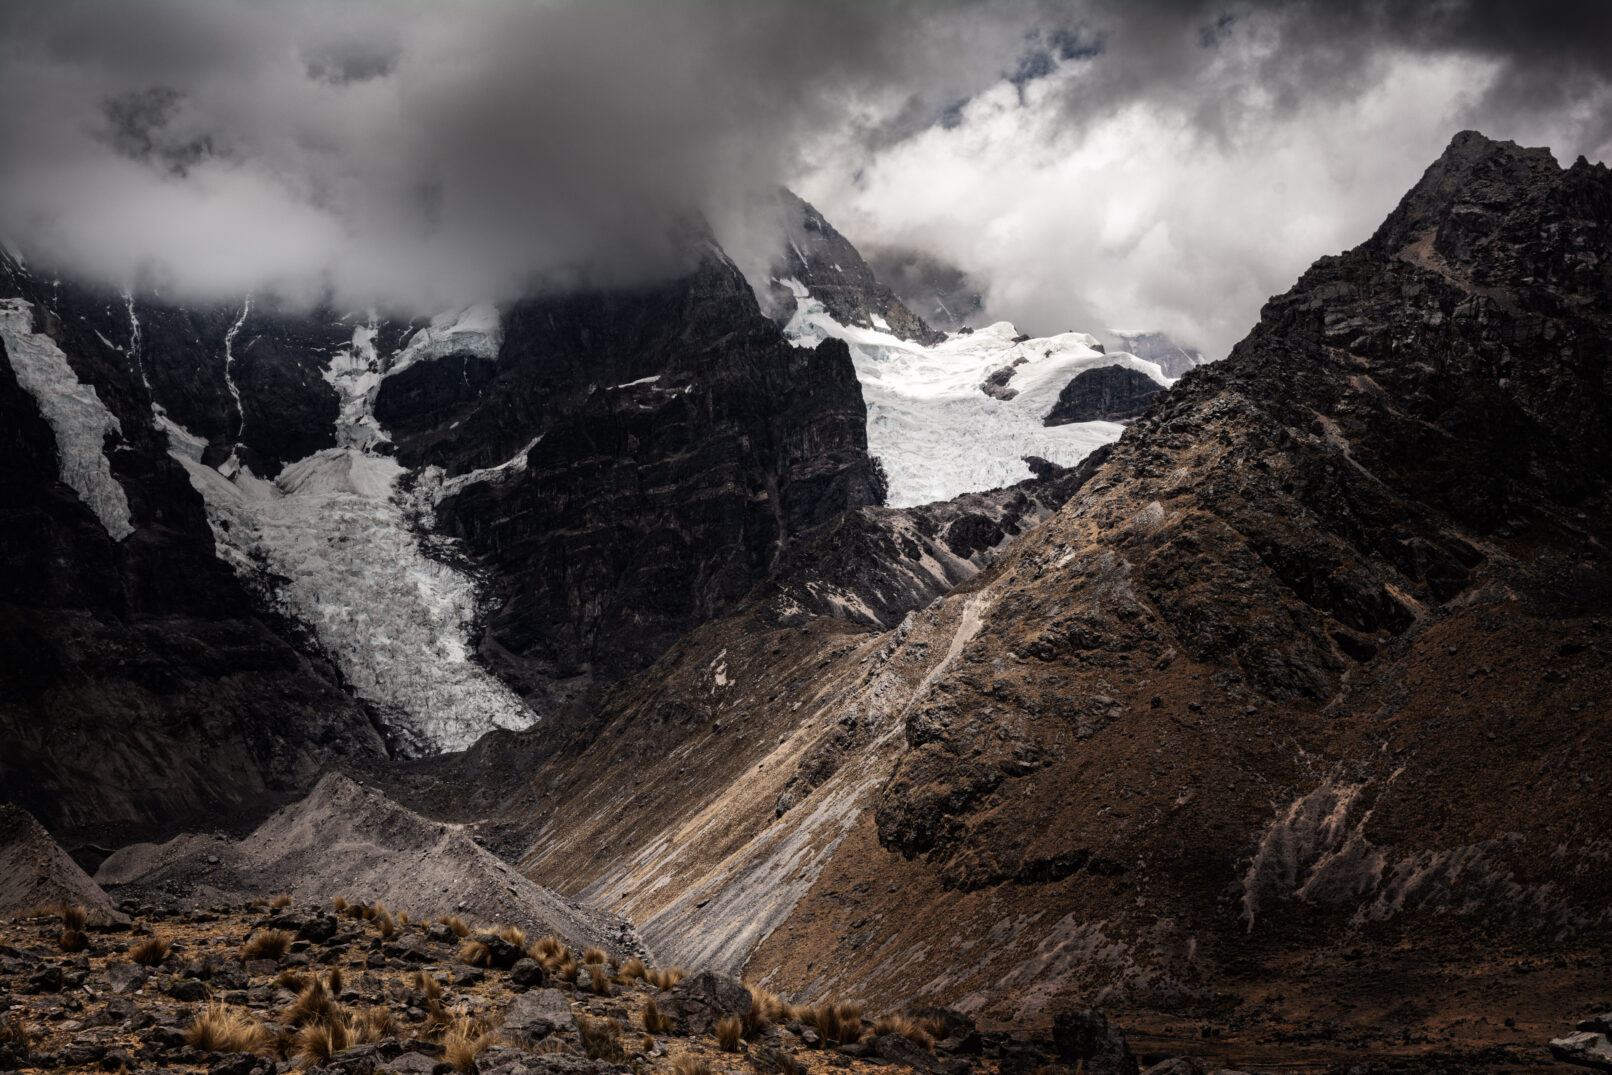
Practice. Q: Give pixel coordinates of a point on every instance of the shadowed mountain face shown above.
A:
(1305, 684)
(601, 473)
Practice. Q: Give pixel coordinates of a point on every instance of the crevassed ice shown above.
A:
(344, 544)
(937, 434)
(476, 330)
(74, 412)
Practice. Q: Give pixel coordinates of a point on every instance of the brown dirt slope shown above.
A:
(35, 871)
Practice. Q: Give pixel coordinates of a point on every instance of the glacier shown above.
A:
(335, 542)
(76, 416)
(937, 434)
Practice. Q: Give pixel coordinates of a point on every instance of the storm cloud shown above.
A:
(1089, 165)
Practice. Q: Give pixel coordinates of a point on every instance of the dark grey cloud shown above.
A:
(422, 154)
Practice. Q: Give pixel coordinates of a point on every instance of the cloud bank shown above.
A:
(1091, 165)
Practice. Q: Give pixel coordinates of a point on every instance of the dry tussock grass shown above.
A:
(313, 1005)
(266, 944)
(475, 954)
(455, 924)
(514, 936)
(220, 1030)
(690, 1065)
(836, 1023)
(316, 1043)
(280, 900)
(567, 970)
(151, 951)
(385, 926)
(729, 1030)
(549, 950)
(339, 904)
(593, 955)
(907, 1027)
(601, 1038)
(632, 969)
(72, 940)
(665, 977)
(428, 985)
(334, 981)
(292, 980)
(73, 916)
(655, 1020)
(599, 981)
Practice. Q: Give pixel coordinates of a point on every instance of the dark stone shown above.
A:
(415, 1064)
(527, 973)
(699, 1000)
(465, 976)
(1103, 394)
(125, 977)
(189, 990)
(1183, 1065)
(1086, 1036)
(1596, 1024)
(541, 1012)
(241, 1064)
(898, 1049)
(47, 979)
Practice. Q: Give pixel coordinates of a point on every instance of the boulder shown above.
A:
(125, 978)
(1085, 1036)
(1585, 1049)
(415, 1064)
(527, 973)
(698, 1001)
(541, 1012)
(1596, 1024)
(899, 1049)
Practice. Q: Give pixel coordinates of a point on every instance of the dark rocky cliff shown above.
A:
(683, 446)
(140, 689)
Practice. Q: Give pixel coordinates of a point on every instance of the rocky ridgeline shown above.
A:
(256, 989)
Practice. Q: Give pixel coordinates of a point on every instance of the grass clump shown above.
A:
(219, 1030)
(690, 1065)
(836, 1023)
(151, 951)
(511, 934)
(72, 940)
(632, 969)
(292, 980)
(665, 977)
(455, 924)
(314, 1005)
(567, 970)
(475, 954)
(338, 904)
(316, 1043)
(907, 1027)
(601, 1038)
(280, 900)
(385, 926)
(729, 1030)
(74, 917)
(593, 955)
(655, 1020)
(266, 944)
(428, 985)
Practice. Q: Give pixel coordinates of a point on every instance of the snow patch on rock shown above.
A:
(936, 432)
(475, 330)
(74, 412)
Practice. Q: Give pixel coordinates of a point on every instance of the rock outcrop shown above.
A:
(1104, 394)
(142, 687)
(36, 872)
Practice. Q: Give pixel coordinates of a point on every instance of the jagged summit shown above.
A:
(822, 260)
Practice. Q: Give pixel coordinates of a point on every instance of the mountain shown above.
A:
(1287, 724)
(824, 263)
(1157, 347)
(248, 541)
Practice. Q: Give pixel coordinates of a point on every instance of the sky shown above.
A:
(1092, 165)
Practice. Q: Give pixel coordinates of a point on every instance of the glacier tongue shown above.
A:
(937, 434)
(334, 543)
(74, 412)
